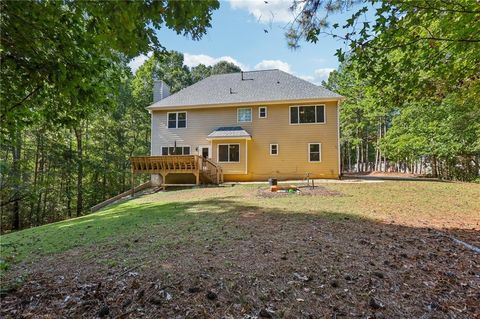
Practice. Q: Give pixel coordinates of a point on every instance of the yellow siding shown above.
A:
(292, 160)
(232, 168)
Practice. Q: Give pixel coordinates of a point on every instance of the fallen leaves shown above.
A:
(314, 267)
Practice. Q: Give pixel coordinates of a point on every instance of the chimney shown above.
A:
(160, 90)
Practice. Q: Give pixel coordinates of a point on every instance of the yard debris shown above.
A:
(156, 300)
(211, 295)
(301, 277)
(266, 313)
(375, 304)
(193, 290)
(276, 191)
(103, 311)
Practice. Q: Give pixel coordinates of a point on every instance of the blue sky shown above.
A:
(237, 35)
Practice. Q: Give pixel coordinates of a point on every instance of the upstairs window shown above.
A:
(177, 119)
(307, 114)
(314, 152)
(229, 153)
(179, 150)
(262, 112)
(244, 115)
(273, 149)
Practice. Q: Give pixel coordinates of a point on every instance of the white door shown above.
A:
(205, 151)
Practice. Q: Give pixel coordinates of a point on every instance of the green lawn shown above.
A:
(227, 252)
(418, 204)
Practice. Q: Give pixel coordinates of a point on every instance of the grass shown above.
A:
(250, 249)
(418, 204)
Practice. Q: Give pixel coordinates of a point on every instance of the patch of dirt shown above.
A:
(270, 266)
(383, 174)
(302, 191)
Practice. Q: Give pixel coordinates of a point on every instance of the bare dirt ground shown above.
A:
(280, 267)
(254, 261)
(302, 191)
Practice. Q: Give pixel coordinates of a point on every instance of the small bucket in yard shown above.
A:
(272, 181)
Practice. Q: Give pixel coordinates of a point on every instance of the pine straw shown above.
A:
(289, 266)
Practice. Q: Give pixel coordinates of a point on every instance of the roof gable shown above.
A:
(244, 87)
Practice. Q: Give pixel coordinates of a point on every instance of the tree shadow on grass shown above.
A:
(248, 255)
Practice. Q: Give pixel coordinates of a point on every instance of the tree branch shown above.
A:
(23, 100)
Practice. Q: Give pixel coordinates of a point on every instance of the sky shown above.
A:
(238, 35)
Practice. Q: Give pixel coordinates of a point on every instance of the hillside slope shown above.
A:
(218, 252)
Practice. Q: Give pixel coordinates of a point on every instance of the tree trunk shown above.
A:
(16, 174)
(78, 135)
(366, 154)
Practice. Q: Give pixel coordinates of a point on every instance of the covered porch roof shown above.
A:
(229, 132)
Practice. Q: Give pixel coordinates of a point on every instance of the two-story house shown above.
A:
(255, 125)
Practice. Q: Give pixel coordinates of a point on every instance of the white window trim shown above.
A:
(228, 162)
(278, 151)
(319, 123)
(238, 113)
(266, 112)
(176, 120)
(189, 147)
(319, 151)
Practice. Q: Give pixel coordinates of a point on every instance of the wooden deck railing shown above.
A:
(204, 169)
(162, 164)
(212, 171)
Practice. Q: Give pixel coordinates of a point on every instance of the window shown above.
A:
(273, 149)
(262, 112)
(244, 115)
(177, 120)
(179, 150)
(229, 153)
(314, 152)
(307, 114)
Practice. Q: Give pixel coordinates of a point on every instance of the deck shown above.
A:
(204, 170)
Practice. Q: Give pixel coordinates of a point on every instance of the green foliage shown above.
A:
(70, 113)
(56, 55)
(223, 67)
(202, 71)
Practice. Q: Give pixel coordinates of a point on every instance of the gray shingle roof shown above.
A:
(256, 86)
(229, 131)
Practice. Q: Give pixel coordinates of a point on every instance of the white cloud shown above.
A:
(322, 74)
(192, 60)
(266, 11)
(318, 76)
(273, 64)
(136, 62)
(308, 78)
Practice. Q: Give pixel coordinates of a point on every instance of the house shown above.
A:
(251, 125)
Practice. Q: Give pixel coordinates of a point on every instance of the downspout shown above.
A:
(338, 140)
(151, 132)
(246, 157)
